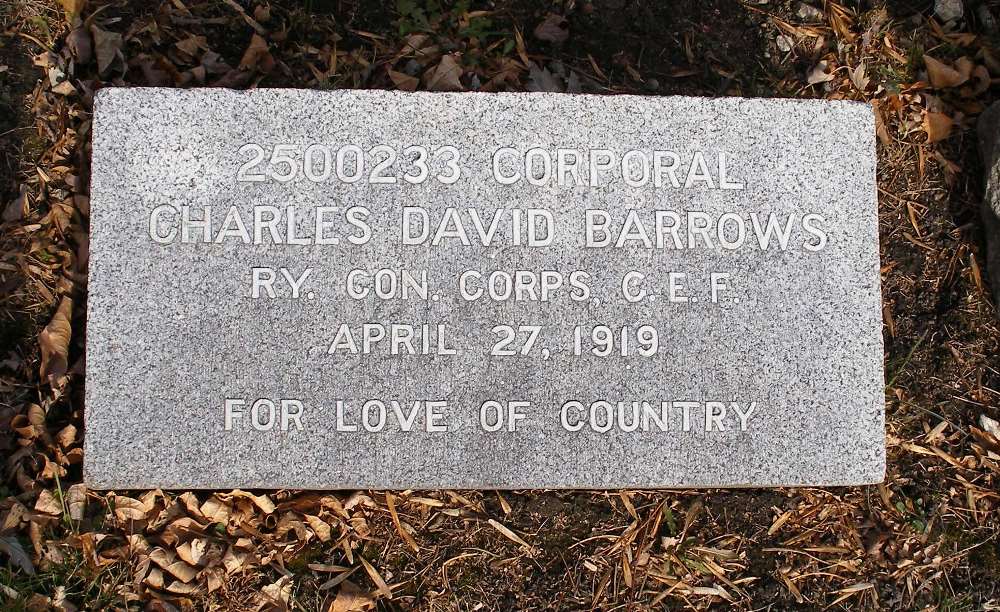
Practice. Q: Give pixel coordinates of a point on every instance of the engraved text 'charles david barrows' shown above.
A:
(476, 226)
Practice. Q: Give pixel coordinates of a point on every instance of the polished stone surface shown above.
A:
(771, 374)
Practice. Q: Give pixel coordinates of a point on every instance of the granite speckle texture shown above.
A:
(174, 330)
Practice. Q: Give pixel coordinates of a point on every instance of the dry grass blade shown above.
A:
(390, 502)
(510, 535)
(383, 588)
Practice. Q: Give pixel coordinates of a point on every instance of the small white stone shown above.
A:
(809, 13)
(948, 10)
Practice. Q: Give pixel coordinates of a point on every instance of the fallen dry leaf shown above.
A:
(937, 126)
(390, 500)
(54, 342)
(376, 577)
(155, 578)
(193, 551)
(10, 546)
(66, 436)
(859, 78)
(18, 207)
(107, 47)
(403, 81)
(215, 510)
(319, 527)
(76, 501)
(942, 75)
(192, 44)
(73, 8)
(48, 504)
(979, 84)
(351, 598)
(184, 588)
(554, 29)
(261, 501)
(257, 56)
(129, 509)
(445, 76)
(80, 45)
(234, 560)
(510, 535)
(820, 73)
(279, 592)
(542, 79)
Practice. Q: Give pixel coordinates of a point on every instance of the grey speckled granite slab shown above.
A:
(509, 290)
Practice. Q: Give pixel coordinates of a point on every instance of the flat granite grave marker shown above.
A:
(372, 289)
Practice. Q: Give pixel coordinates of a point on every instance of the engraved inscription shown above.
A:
(533, 227)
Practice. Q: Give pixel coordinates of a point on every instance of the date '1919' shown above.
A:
(600, 340)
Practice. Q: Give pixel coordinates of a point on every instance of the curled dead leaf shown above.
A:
(155, 578)
(235, 560)
(990, 426)
(980, 82)
(66, 436)
(257, 56)
(820, 73)
(215, 578)
(554, 29)
(942, 75)
(320, 527)
(261, 501)
(129, 509)
(542, 79)
(10, 546)
(278, 592)
(64, 89)
(107, 47)
(192, 45)
(937, 126)
(403, 81)
(859, 77)
(19, 207)
(54, 342)
(76, 501)
(73, 8)
(31, 425)
(420, 47)
(48, 504)
(169, 562)
(965, 66)
(179, 587)
(80, 45)
(446, 75)
(215, 510)
(193, 552)
(351, 598)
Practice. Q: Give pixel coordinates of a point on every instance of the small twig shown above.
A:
(11, 131)
(906, 361)
(932, 413)
(34, 40)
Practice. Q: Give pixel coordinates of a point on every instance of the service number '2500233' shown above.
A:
(318, 163)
